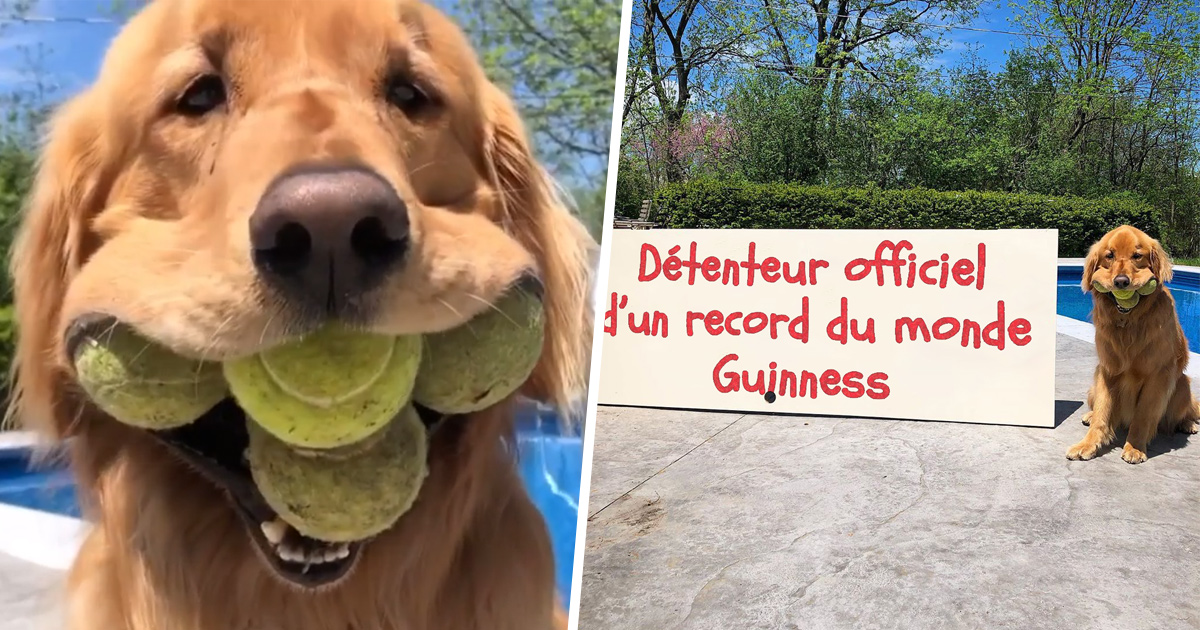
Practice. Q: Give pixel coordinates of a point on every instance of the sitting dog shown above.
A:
(1139, 383)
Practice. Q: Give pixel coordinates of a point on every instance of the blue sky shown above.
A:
(70, 51)
(957, 43)
(993, 47)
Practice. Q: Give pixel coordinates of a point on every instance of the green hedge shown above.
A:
(1080, 222)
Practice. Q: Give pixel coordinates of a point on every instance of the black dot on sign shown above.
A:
(770, 396)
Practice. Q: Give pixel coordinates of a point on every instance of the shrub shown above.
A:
(633, 185)
(1080, 222)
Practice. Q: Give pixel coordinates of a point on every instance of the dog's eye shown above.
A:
(1137, 256)
(405, 96)
(202, 96)
(1109, 255)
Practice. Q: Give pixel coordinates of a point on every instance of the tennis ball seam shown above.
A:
(327, 403)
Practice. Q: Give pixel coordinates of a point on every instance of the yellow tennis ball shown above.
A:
(143, 384)
(330, 389)
(1128, 303)
(1128, 298)
(342, 500)
(486, 359)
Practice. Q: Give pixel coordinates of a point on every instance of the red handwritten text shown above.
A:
(793, 384)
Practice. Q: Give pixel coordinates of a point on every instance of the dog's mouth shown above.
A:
(215, 446)
(1125, 299)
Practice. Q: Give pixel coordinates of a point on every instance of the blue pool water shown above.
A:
(551, 464)
(1185, 288)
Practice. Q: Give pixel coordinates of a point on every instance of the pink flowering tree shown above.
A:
(700, 146)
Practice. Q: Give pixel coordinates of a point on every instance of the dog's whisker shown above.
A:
(449, 307)
(262, 337)
(422, 167)
(493, 307)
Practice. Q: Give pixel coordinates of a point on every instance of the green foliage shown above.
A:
(771, 114)
(1080, 222)
(1103, 105)
(631, 189)
(558, 58)
(16, 174)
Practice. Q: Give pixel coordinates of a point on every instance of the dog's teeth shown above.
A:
(334, 553)
(289, 553)
(343, 552)
(274, 531)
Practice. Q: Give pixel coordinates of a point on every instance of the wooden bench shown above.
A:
(643, 221)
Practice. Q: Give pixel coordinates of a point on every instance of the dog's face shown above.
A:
(244, 172)
(1125, 259)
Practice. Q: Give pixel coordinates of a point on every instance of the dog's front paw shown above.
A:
(1087, 419)
(1188, 426)
(1086, 449)
(1133, 455)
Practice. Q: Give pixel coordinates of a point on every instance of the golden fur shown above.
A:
(141, 215)
(1139, 383)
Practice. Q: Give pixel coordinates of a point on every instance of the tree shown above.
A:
(676, 42)
(850, 40)
(1118, 61)
(558, 58)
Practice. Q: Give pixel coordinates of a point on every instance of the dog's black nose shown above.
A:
(327, 234)
(1121, 282)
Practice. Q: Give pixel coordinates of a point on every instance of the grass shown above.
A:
(1194, 262)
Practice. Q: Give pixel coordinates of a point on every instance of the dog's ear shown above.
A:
(50, 245)
(1160, 262)
(535, 214)
(1090, 263)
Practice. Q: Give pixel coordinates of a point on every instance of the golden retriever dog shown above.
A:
(242, 173)
(1139, 383)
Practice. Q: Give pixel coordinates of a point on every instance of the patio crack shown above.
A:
(721, 572)
(664, 468)
(921, 482)
(776, 459)
(838, 569)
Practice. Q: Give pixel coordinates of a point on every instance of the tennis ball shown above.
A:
(143, 384)
(476, 365)
(342, 500)
(1129, 302)
(1128, 298)
(333, 388)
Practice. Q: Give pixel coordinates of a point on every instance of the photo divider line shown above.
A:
(601, 289)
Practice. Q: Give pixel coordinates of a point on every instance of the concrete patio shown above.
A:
(30, 596)
(703, 521)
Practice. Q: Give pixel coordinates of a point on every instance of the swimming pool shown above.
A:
(1185, 287)
(551, 464)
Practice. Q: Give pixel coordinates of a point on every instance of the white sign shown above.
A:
(955, 325)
